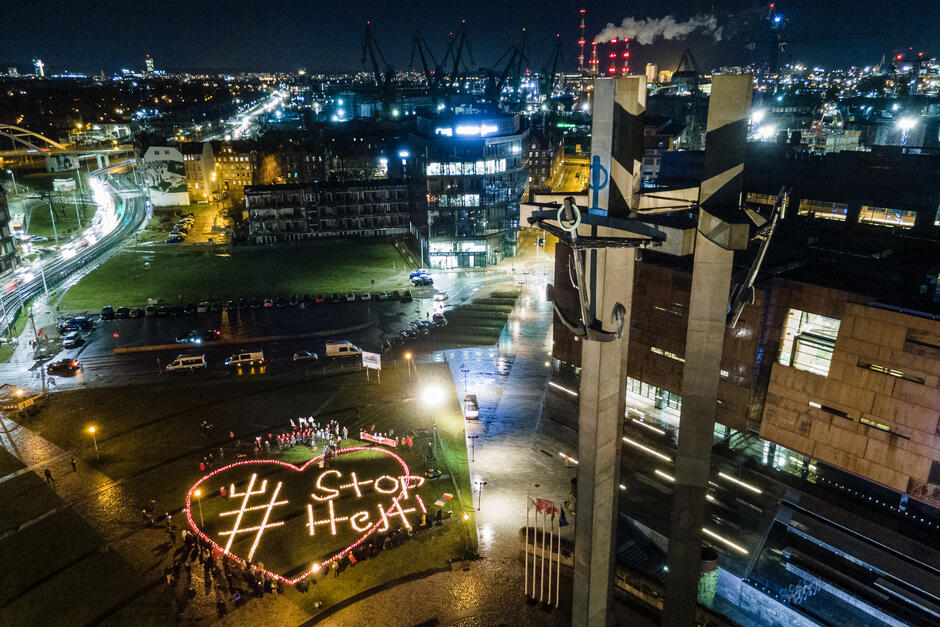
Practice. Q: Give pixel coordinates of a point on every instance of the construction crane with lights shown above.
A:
(516, 56)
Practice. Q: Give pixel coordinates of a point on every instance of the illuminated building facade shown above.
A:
(237, 164)
(200, 171)
(476, 174)
(7, 247)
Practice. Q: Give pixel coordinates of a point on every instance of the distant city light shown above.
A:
(907, 123)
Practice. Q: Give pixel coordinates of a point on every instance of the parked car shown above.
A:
(173, 240)
(187, 363)
(230, 305)
(471, 408)
(350, 297)
(215, 306)
(177, 310)
(136, 313)
(150, 310)
(420, 272)
(439, 320)
(245, 358)
(73, 340)
(318, 299)
(407, 334)
(64, 366)
(268, 303)
(406, 296)
(382, 296)
(293, 300)
(243, 304)
(422, 280)
(197, 336)
(202, 307)
(341, 348)
(79, 323)
(396, 295)
(421, 327)
(305, 357)
(122, 312)
(163, 310)
(107, 313)
(365, 297)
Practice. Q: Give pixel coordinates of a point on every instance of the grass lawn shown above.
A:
(165, 271)
(66, 220)
(151, 444)
(7, 347)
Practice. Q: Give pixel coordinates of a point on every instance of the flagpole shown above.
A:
(542, 576)
(558, 566)
(551, 528)
(535, 546)
(526, 547)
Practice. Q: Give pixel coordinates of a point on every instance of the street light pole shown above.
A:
(77, 217)
(198, 495)
(480, 485)
(52, 217)
(473, 439)
(94, 439)
(13, 176)
(465, 372)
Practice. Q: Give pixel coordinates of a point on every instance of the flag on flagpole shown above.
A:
(545, 506)
(562, 521)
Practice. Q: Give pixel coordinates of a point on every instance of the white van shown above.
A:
(341, 348)
(245, 358)
(187, 363)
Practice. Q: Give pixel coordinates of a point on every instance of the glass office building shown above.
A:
(476, 176)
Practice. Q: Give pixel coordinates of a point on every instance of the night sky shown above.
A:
(326, 36)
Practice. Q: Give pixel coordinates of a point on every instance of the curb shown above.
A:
(249, 340)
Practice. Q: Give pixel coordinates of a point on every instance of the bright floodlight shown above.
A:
(316, 568)
(432, 395)
(757, 116)
(466, 516)
(766, 132)
(91, 429)
(907, 123)
(197, 493)
(407, 355)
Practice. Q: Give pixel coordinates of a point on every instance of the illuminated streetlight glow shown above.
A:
(432, 395)
(907, 123)
(94, 439)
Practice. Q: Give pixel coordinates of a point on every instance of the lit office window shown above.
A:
(808, 341)
(882, 216)
(824, 210)
(760, 199)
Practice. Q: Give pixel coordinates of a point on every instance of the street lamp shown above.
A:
(12, 176)
(408, 357)
(198, 495)
(316, 570)
(480, 485)
(465, 372)
(431, 397)
(94, 439)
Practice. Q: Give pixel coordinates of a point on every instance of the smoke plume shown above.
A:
(646, 31)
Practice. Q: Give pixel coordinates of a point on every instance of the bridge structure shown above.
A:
(26, 144)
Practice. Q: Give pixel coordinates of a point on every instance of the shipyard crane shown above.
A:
(456, 45)
(433, 77)
(516, 56)
(383, 80)
(550, 71)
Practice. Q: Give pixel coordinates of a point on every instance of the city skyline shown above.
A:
(181, 37)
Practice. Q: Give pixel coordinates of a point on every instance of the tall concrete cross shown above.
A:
(722, 229)
(617, 132)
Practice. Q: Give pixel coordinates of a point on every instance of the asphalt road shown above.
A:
(60, 268)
